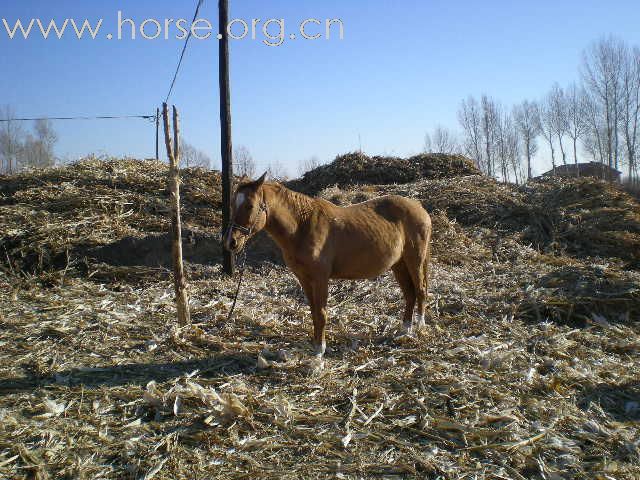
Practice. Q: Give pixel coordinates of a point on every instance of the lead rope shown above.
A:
(242, 264)
(235, 297)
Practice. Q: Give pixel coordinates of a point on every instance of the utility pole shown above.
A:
(157, 133)
(226, 148)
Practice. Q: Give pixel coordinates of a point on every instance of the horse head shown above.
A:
(249, 214)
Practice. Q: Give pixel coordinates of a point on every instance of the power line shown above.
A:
(184, 49)
(99, 117)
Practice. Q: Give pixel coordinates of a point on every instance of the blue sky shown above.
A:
(401, 69)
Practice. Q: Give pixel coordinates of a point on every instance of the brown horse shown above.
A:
(320, 240)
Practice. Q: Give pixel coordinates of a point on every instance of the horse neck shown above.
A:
(287, 211)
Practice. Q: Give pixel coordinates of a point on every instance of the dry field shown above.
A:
(529, 369)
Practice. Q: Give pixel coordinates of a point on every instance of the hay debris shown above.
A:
(530, 369)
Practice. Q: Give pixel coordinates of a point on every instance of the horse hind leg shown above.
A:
(418, 266)
(423, 296)
(406, 285)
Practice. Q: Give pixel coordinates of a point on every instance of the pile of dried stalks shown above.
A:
(590, 217)
(55, 217)
(529, 372)
(356, 168)
(581, 217)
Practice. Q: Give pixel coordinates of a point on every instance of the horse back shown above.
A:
(404, 213)
(368, 238)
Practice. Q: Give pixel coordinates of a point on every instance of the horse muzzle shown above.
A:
(234, 239)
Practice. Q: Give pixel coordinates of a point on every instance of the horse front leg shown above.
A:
(316, 293)
(319, 313)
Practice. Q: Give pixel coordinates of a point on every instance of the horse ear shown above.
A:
(261, 180)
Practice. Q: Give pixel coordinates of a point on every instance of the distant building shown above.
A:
(591, 169)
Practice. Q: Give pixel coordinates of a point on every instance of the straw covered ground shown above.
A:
(529, 369)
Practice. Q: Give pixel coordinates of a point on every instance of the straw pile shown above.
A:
(529, 371)
(55, 217)
(356, 168)
(590, 217)
(565, 216)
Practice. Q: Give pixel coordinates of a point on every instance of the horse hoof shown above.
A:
(426, 328)
(405, 336)
(405, 340)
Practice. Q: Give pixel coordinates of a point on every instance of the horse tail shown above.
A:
(427, 257)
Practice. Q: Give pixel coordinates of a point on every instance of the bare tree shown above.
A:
(33, 150)
(514, 152)
(630, 111)
(309, 164)
(11, 138)
(527, 119)
(30, 155)
(577, 125)
(558, 116)
(428, 144)
(489, 121)
(277, 171)
(190, 156)
(547, 126)
(502, 155)
(602, 75)
(595, 138)
(479, 121)
(469, 117)
(243, 161)
(508, 146)
(443, 140)
(47, 138)
(39, 149)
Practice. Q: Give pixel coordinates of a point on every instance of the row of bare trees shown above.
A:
(21, 149)
(498, 139)
(245, 165)
(190, 156)
(597, 119)
(611, 77)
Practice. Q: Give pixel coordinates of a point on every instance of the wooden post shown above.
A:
(226, 148)
(180, 284)
(176, 141)
(157, 133)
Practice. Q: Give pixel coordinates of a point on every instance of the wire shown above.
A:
(184, 49)
(100, 117)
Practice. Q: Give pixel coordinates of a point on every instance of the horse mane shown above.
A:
(300, 203)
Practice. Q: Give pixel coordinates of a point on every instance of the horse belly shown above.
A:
(367, 258)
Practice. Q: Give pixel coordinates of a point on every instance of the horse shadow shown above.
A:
(200, 250)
